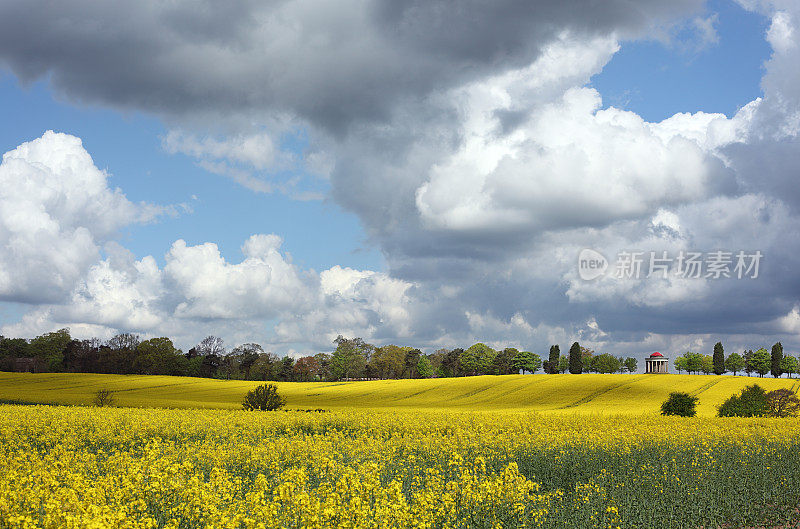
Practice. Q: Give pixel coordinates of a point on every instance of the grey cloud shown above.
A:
(331, 63)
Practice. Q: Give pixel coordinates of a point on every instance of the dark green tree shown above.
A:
(751, 402)
(575, 362)
(681, 404)
(719, 359)
(503, 362)
(748, 361)
(552, 361)
(776, 357)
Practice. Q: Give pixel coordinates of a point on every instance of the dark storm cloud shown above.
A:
(331, 63)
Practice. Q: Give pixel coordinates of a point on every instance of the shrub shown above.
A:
(681, 404)
(103, 398)
(782, 403)
(751, 402)
(265, 397)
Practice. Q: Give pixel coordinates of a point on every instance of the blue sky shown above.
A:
(411, 236)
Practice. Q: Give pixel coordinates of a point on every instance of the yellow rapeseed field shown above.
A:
(589, 393)
(125, 467)
(547, 451)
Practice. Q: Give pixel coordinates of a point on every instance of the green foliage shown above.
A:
(693, 362)
(707, 364)
(681, 404)
(158, 356)
(477, 359)
(630, 364)
(789, 365)
(103, 398)
(503, 361)
(606, 363)
(575, 359)
(563, 364)
(734, 363)
(424, 367)
(782, 403)
(775, 360)
(50, 347)
(527, 361)
(553, 359)
(760, 362)
(718, 359)
(681, 364)
(751, 402)
(349, 358)
(265, 398)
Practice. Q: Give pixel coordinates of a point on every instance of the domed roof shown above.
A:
(656, 354)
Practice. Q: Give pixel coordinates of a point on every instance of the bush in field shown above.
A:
(751, 402)
(681, 404)
(782, 403)
(265, 398)
(103, 398)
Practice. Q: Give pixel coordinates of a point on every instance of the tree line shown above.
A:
(761, 362)
(352, 358)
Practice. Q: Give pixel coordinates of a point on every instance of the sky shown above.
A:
(417, 173)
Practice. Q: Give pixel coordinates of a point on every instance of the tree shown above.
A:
(707, 364)
(247, 354)
(286, 370)
(211, 345)
(575, 364)
(264, 397)
(103, 398)
(526, 361)
(694, 362)
(681, 404)
(563, 364)
(125, 341)
(789, 365)
(157, 356)
(503, 361)
(681, 364)
(748, 361)
(631, 365)
(734, 363)
(552, 361)
(477, 359)
(389, 361)
(776, 357)
(424, 367)
(782, 403)
(751, 402)
(347, 360)
(451, 363)
(306, 369)
(719, 359)
(606, 363)
(49, 348)
(760, 362)
(587, 357)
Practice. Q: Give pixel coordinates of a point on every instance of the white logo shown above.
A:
(591, 264)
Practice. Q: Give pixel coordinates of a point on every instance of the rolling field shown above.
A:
(564, 451)
(589, 393)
